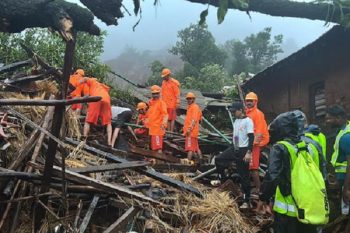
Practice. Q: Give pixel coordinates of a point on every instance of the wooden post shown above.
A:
(56, 128)
(88, 215)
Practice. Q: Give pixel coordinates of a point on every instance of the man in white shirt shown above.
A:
(240, 152)
(120, 116)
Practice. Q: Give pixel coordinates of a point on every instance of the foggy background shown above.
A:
(130, 52)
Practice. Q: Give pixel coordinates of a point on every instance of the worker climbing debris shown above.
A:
(157, 118)
(171, 96)
(96, 110)
(191, 127)
(240, 152)
(74, 81)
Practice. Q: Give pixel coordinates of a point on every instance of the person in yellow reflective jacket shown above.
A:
(337, 118)
(285, 132)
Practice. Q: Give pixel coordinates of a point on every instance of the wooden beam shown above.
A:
(121, 222)
(88, 215)
(110, 167)
(103, 186)
(147, 172)
(19, 175)
(56, 129)
(14, 66)
(63, 102)
(153, 154)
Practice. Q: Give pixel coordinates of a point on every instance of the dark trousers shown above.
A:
(286, 224)
(225, 159)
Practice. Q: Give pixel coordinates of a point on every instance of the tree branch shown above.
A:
(285, 8)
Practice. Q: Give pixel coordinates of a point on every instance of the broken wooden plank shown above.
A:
(148, 171)
(88, 215)
(204, 174)
(153, 154)
(14, 66)
(106, 187)
(34, 102)
(110, 167)
(26, 79)
(121, 222)
(19, 175)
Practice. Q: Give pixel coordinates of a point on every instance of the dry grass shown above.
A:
(216, 212)
(74, 127)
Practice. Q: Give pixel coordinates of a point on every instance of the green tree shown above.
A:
(212, 78)
(51, 48)
(156, 69)
(254, 53)
(196, 46)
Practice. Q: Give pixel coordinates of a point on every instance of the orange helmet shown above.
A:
(190, 95)
(165, 72)
(80, 72)
(251, 96)
(155, 89)
(141, 105)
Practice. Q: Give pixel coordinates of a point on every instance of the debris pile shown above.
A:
(95, 188)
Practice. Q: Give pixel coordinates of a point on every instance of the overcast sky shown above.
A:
(159, 26)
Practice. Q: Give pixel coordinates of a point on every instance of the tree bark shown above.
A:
(286, 8)
(17, 15)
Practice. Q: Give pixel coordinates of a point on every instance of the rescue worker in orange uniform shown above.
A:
(191, 126)
(74, 80)
(157, 119)
(141, 118)
(261, 135)
(96, 110)
(171, 96)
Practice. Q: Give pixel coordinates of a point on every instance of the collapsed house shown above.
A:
(310, 79)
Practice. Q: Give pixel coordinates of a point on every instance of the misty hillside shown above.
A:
(135, 65)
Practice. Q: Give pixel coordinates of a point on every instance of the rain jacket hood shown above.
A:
(287, 125)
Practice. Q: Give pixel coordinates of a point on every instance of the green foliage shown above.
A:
(337, 5)
(124, 95)
(211, 78)
(197, 47)
(254, 53)
(156, 69)
(51, 48)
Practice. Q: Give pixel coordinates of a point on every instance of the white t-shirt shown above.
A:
(241, 129)
(117, 110)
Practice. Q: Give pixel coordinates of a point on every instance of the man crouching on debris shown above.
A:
(241, 152)
(96, 110)
(157, 119)
(294, 178)
(191, 126)
(141, 118)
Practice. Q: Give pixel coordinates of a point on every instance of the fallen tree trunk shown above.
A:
(17, 15)
(286, 8)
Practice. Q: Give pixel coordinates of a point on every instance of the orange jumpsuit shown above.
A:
(171, 96)
(194, 113)
(75, 81)
(156, 118)
(141, 121)
(261, 134)
(98, 109)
